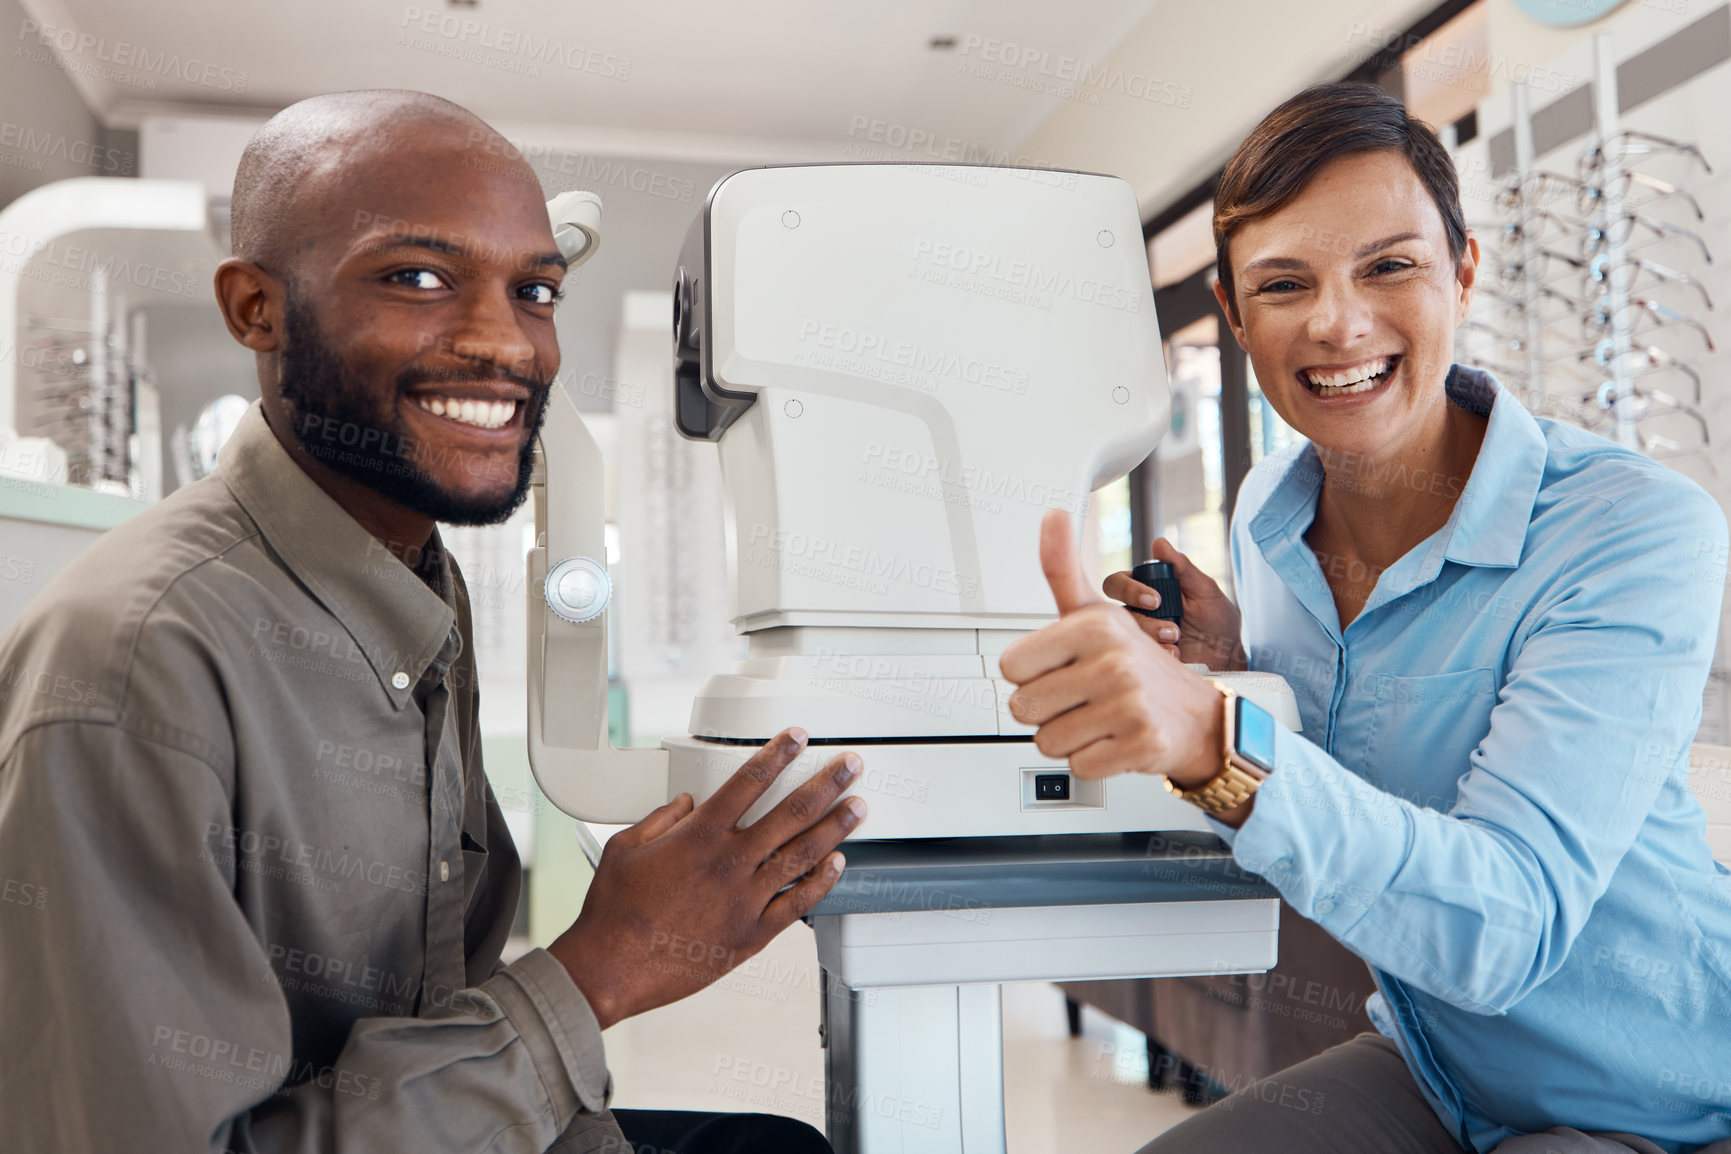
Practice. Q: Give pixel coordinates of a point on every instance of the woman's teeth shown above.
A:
(1360, 380)
(481, 414)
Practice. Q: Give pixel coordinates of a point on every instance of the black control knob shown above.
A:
(1161, 577)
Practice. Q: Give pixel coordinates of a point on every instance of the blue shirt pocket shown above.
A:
(1423, 731)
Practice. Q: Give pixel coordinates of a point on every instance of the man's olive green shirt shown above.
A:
(257, 885)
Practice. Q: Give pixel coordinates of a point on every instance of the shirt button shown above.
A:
(1324, 906)
(444, 871)
(400, 679)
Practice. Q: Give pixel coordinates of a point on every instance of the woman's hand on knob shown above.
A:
(1210, 632)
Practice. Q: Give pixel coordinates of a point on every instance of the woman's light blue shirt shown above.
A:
(1489, 801)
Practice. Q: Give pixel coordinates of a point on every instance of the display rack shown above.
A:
(80, 382)
(1590, 316)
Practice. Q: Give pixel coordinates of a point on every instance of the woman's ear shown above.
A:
(1230, 308)
(251, 301)
(1466, 276)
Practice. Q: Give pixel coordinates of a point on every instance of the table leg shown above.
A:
(914, 1069)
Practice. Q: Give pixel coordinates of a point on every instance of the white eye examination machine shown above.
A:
(903, 368)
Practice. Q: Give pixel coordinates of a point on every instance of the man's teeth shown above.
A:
(482, 414)
(1359, 380)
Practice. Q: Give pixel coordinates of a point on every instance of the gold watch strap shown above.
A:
(1228, 789)
(1234, 784)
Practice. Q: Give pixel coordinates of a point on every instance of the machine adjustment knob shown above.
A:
(1161, 577)
(577, 589)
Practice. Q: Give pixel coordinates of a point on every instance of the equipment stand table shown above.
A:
(916, 938)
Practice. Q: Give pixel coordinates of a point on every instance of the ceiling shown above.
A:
(800, 73)
(745, 80)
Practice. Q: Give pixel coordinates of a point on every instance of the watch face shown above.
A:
(1253, 735)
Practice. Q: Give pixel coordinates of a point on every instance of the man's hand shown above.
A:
(1104, 694)
(685, 895)
(1210, 633)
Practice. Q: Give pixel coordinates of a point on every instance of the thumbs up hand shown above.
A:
(1062, 563)
(1103, 693)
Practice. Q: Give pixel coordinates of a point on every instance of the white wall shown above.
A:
(47, 132)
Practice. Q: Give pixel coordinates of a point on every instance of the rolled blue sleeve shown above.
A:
(1480, 904)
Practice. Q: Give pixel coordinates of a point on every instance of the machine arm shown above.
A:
(573, 760)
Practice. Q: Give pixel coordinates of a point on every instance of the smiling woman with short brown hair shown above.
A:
(1498, 635)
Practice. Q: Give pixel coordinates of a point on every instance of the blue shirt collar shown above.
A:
(1488, 526)
(1490, 521)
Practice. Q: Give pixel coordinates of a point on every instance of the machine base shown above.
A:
(951, 789)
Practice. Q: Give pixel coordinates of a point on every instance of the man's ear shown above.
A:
(1226, 307)
(251, 301)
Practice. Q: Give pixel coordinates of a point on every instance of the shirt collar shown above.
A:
(396, 620)
(1490, 519)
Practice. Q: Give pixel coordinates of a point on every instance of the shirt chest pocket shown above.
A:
(1423, 730)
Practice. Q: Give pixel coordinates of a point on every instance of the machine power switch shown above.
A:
(1052, 787)
(578, 589)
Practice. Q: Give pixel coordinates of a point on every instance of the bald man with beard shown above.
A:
(240, 775)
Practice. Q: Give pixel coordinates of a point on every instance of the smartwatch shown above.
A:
(1249, 743)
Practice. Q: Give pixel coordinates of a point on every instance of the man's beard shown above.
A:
(344, 424)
